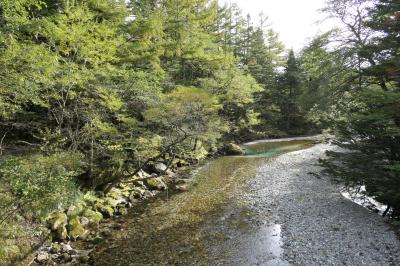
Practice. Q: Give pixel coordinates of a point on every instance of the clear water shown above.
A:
(210, 224)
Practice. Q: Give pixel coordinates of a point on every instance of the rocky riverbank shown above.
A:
(318, 225)
(94, 217)
(285, 213)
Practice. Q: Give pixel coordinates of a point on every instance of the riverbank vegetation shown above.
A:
(95, 93)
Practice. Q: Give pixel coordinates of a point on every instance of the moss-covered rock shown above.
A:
(94, 217)
(115, 193)
(76, 229)
(90, 198)
(106, 210)
(84, 259)
(233, 149)
(65, 257)
(58, 222)
(156, 184)
(75, 210)
(114, 202)
(122, 210)
(62, 233)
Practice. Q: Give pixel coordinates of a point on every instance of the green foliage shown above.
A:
(188, 111)
(364, 109)
(235, 91)
(40, 184)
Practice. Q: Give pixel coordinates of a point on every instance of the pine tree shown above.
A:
(290, 89)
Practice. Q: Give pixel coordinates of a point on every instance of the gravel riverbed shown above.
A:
(318, 225)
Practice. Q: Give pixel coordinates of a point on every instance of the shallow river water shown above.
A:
(210, 224)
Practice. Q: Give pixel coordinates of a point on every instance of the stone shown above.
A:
(57, 223)
(94, 217)
(233, 149)
(42, 257)
(106, 210)
(170, 173)
(147, 194)
(160, 167)
(65, 248)
(181, 188)
(57, 220)
(74, 210)
(156, 184)
(75, 228)
(84, 259)
(66, 257)
(181, 181)
(62, 233)
(84, 221)
(115, 193)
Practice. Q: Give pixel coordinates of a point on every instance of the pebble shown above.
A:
(319, 226)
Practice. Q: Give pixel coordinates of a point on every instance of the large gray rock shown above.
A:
(160, 167)
(233, 149)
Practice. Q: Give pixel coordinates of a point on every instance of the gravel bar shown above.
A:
(318, 225)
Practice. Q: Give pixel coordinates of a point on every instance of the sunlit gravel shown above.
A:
(319, 226)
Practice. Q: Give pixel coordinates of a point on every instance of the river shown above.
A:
(210, 224)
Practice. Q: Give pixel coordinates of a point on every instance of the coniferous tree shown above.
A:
(289, 91)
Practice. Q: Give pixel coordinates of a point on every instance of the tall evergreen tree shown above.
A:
(290, 89)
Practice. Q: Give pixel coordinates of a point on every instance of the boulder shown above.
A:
(94, 217)
(136, 193)
(160, 167)
(233, 149)
(84, 221)
(76, 229)
(115, 193)
(42, 257)
(65, 248)
(62, 233)
(181, 181)
(75, 210)
(180, 162)
(156, 184)
(84, 259)
(90, 198)
(148, 194)
(58, 222)
(106, 210)
(66, 257)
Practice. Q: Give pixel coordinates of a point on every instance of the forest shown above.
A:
(95, 93)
